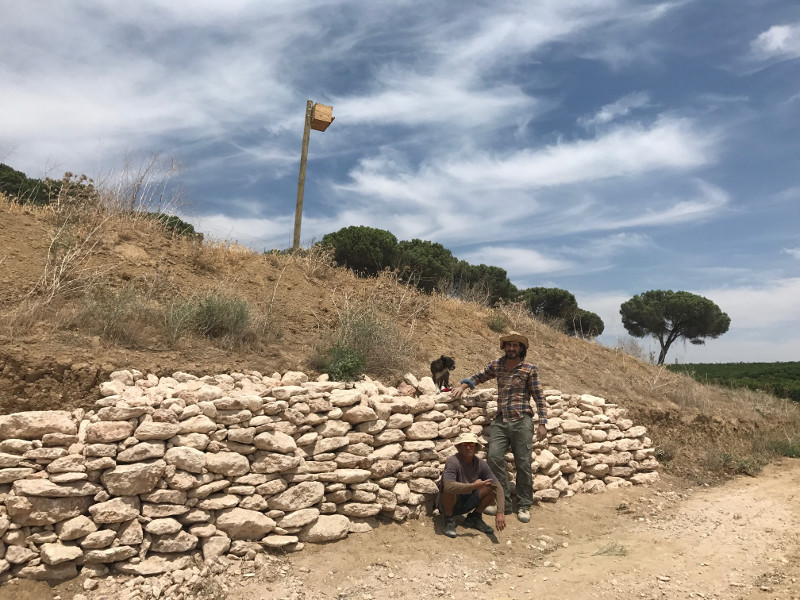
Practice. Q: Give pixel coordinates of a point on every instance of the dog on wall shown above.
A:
(440, 371)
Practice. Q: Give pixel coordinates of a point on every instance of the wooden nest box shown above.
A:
(321, 117)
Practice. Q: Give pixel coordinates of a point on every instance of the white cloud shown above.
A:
(620, 108)
(587, 185)
(669, 144)
(253, 232)
(622, 152)
(519, 261)
(609, 246)
(795, 252)
(778, 42)
(772, 304)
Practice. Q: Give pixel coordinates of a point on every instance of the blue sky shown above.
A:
(607, 147)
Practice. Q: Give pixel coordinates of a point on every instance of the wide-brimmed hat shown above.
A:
(469, 437)
(513, 336)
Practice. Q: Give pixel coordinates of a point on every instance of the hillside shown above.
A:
(86, 292)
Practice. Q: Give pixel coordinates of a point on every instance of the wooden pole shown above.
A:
(301, 182)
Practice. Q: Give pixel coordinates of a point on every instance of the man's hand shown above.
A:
(500, 521)
(458, 391)
(482, 483)
(541, 432)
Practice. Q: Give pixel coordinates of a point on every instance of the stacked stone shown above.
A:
(591, 447)
(171, 467)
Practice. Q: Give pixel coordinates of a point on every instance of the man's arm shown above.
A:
(535, 390)
(470, 382)
(499, 494)
(499, 497)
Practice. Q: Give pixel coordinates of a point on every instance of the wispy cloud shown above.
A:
(522, 262)
(620, 108)
(794, 252)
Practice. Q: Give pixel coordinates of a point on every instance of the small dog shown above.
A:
(440, 371)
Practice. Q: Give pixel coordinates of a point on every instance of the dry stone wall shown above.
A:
(173, 470)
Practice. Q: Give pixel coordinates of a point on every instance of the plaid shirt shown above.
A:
(514, 389)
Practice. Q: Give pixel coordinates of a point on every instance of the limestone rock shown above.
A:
(116, 510)
(326, 529)
(242, 524)
(133, 479)
(303, 495)
(33, 425)
(54, 554)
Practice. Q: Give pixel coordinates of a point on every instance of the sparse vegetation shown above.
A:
(218, 315)
(364, 339)
(612, 549)
(498, 321)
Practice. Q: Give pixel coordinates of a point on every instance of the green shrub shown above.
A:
(344, 363)
(584, 324)
(365, 250)
(425, 263)
(176, 225)
(119, 315)
(785, 446)
(219, 315)
(21, 188)
(498, 322)
(364, 340)
(178, 319)
(552, 303)
(485, 283)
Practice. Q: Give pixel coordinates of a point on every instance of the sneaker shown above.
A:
(490, 510)
(475, 521)
(524, 515)
(450, 527)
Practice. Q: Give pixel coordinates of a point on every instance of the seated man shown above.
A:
(469, 486)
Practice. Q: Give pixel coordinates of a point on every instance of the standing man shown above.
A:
(468, 486)
(517, 381)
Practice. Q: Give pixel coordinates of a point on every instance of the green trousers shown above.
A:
(519, 435)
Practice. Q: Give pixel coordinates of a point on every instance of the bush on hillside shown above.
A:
(473, 282)
(24, 190)
(364, 250)
(219, 315)
(424, 263)
(364, 339)
(176, 225)
(584, 324)
(551, 303)
(70, 191)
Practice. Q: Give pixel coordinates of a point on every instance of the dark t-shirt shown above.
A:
(457, 477)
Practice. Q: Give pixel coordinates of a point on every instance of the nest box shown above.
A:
(321, 117)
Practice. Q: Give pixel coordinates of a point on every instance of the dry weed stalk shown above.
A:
(213, 256)
(149, 187)
(317, 261)
(662, 377)
(404, 301)
(65, 269)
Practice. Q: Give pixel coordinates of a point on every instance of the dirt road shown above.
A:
(737, 541)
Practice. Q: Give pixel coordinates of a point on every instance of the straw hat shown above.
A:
(513, 336)
(469, 437)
